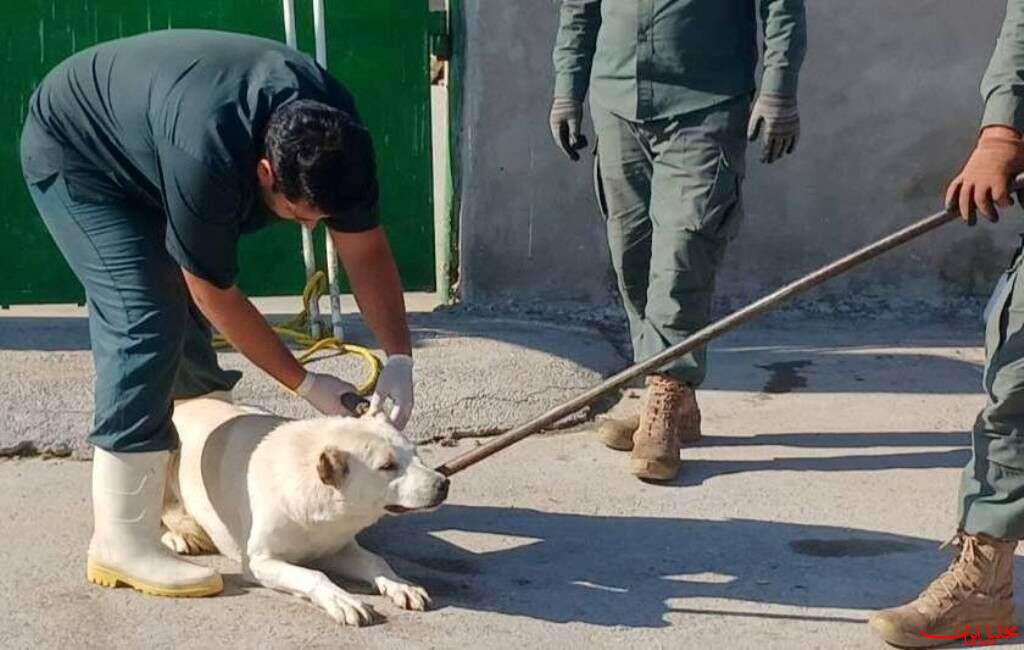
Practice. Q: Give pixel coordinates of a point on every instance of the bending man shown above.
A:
(148, 157)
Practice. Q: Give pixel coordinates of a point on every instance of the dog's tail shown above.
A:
(184, 534)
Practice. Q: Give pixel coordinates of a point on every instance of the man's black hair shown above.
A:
(322, 156)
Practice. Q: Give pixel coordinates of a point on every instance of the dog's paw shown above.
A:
(404, 595)
(175, 542)
(344, 608)
(184, 544)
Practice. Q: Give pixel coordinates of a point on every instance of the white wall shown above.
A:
(889, 107)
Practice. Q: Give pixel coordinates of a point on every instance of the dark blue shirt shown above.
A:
(174, 120)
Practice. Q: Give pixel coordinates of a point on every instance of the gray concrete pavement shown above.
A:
(822, 489)
(479, 375)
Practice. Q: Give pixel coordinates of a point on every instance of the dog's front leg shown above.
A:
(342, 606)
(356, 563)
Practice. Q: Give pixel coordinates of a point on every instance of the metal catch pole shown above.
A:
(701, 337)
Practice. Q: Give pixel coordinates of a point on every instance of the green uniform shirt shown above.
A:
(173, 120)
(1003, 83)
(651, 59)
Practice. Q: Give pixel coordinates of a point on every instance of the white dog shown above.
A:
(275, 494)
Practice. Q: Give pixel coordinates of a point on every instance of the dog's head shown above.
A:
(376, 468)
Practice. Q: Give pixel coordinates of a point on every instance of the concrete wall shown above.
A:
(889, 107)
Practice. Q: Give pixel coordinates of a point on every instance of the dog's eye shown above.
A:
(390, 466)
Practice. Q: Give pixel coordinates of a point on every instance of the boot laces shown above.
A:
(957, 579)
(664, 402)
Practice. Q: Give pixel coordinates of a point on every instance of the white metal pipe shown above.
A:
(320, 32)
(309, 261)
(332, 275)
(289, 22)
(320, 38)
(308, 258)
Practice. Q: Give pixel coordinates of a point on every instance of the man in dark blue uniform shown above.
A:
(147, 158)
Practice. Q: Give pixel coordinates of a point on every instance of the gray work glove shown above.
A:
(566, 119)
(780, 120)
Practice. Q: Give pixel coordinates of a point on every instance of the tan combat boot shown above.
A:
(976, 590)
(617, 433)
(670, 416)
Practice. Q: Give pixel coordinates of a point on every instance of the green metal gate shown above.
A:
(377, 48)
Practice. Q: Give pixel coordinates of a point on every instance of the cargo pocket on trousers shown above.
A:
(723, 209)
(997, 311)
(602, 204)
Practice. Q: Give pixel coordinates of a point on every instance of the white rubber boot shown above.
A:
(127, 498)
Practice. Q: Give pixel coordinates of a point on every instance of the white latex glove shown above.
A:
(324, 392)
(778, 117)
(394, 383)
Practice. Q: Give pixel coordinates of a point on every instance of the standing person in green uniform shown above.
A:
(977, 589)
(670, 84)
(147, 158)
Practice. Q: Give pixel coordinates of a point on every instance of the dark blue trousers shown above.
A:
(150, 344)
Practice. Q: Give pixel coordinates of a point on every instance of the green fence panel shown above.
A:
(377, 48)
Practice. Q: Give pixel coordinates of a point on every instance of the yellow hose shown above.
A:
(294, 330)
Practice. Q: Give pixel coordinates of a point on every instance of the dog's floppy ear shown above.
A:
(332, 466)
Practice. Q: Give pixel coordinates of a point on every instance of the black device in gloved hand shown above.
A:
(355, 403)
(566, 121)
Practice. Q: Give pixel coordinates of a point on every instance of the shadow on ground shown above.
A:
(843, 440)
(633, 571)
(696, 471)
(66, 334)
(785, 367)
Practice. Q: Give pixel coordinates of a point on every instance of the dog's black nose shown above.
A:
(442, 491)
